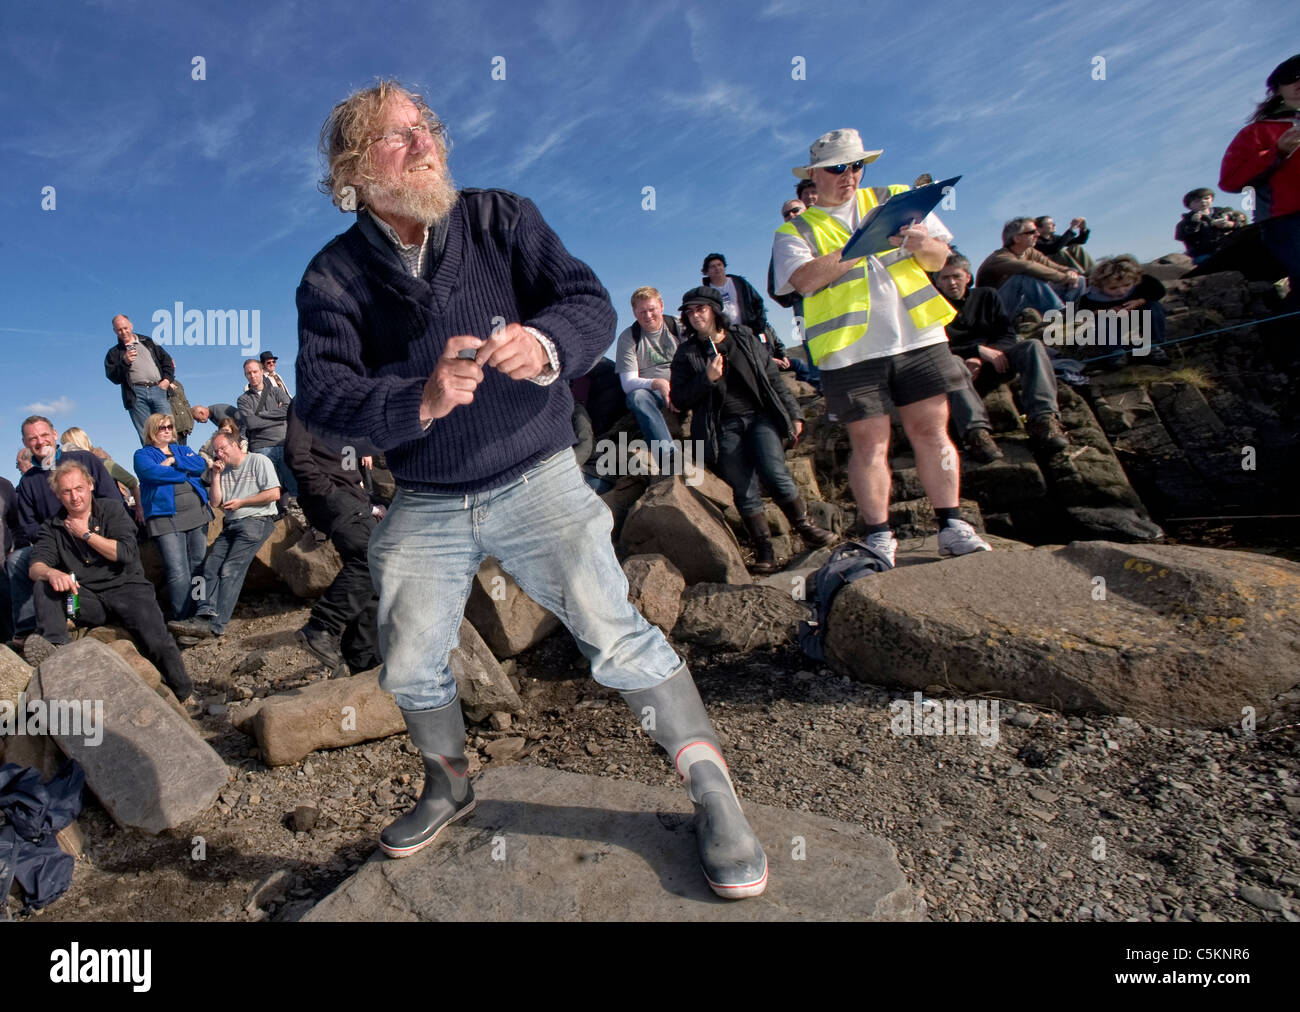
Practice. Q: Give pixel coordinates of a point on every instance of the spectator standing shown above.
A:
(143, 370)
(263, 410)
(268, 361)
(1263, 156)
(175, 506)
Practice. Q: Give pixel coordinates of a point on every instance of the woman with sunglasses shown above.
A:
(1263, 156)
(175, 507)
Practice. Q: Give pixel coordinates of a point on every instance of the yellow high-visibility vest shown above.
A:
(837, 315)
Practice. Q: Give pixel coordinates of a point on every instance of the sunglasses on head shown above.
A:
(839, 170)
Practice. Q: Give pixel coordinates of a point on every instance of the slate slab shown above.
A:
(552, 846)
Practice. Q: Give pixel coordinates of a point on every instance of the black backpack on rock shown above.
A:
(849, 562)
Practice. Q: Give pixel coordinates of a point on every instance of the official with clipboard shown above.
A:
(874, 326)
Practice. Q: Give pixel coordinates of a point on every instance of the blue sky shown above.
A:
(169, 189)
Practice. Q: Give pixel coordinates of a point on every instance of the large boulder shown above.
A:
(672, 521)
(654, 586)
(739, 618)
(147, 764)
(483, 685)
(291, 725)
(308, 566)
(1167, 634)
(15, 673)
(508, 619)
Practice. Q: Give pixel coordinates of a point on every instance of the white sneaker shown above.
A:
(884, 544)
(957, 537)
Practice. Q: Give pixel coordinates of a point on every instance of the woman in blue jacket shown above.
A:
(176, 508)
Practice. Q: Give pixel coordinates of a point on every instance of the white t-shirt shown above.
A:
(890, 330)
(730, 299)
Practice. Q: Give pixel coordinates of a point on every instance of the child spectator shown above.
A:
(1204, 227)
(1118, 283)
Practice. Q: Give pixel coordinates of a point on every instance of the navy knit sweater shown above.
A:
(370, 335)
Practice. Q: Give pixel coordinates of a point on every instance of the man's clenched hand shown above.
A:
(515, 352)
(454, 380)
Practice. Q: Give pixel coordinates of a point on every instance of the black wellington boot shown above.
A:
(439, 734)
(732, 858)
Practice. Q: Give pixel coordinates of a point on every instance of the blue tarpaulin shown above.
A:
(34, 812)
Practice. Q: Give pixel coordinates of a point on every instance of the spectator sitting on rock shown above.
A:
(231, 428)
(35, 502)
(246, 487)
(1204, 227)
(175, 507)
(643, 355)
(981, 335)
(742, 414)
(1118, 283)
(1065, 249)
(89, 549)
(1024, 278)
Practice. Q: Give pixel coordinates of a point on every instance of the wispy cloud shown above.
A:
(60, 406)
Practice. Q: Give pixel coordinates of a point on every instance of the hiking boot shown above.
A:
(439, 734)
(199, 628)
(37, 648)
(884, 544)
(731, 857)
(764, 556)
(1046, 433)
(957, 537)
(797, 513)
(321, 645)
(980, 446)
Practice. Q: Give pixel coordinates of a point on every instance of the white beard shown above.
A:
(426, 204)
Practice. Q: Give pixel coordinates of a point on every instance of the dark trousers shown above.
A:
(134, 606)
(349, 608)
(1030, 361)
(749, 454)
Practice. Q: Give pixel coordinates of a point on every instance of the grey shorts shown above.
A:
(872, 388)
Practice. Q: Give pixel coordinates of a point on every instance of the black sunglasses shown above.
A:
(839, 170)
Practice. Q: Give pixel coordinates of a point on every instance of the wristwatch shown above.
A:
(86, 536)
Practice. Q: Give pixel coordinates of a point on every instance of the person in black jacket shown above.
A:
(342, 626)
(983, 337)
(144, 372)
(742, 413)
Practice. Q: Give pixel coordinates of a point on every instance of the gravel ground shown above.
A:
(1062, 819)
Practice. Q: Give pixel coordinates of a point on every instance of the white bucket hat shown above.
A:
(839, 147)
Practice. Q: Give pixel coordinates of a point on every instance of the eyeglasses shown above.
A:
(167, 428)
(400, 137)
(1032, 231)
(839, 170)
(794, 212)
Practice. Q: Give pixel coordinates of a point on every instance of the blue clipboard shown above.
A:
(886, 219)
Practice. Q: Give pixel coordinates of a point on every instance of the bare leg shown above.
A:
(869, 467)
(937, 462)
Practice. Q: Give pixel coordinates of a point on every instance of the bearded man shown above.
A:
(436, 329)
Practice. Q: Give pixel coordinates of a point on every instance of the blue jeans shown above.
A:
(1031, 362)
(1020, 291)
(288, 484)
(749, 447)
(148, 401)
(226, 566)
(552, 534)
(22, 606)
(182, 555)
(645, 406)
